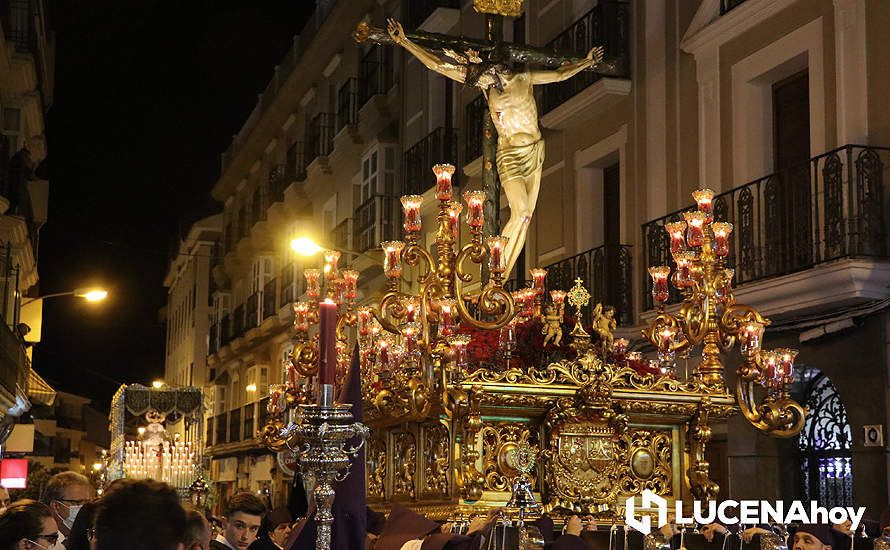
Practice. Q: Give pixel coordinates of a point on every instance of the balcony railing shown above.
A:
(222, 428)
(253, 312)
(605, 25)
(829, 208)
(225, 330)
(320, 136)
(607, 270)
(439, 146)
(375, 74)
(727, 5)
(259, 203)
(249, 414)
(376, 220)
(238, 321)
(420, 10)
(295, 167)
(342, 234)
(288, 289)
(234, 426)
(347, 104)
(474, 118)
(269, 299)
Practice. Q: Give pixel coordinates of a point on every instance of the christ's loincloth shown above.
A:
(520, 161)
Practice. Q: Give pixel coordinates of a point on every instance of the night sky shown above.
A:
(147, 96)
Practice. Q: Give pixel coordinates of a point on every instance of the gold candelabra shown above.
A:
(709, 317)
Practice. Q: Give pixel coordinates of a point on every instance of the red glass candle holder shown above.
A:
(313, 283)
(412, 307)
(350, 282)
(331, 261)
(539, 276)
(365, 317)
(683, 275)
(676, 231)
(444, 173)
(454, 210)
(659, 276)
(447, 309)
(301, 314)
(722, 231)
(475, 201)
(750, 337)
(695, 228)
(497, 259)
(392, 258)
(704, 198)
(458, 344)
(411, 205)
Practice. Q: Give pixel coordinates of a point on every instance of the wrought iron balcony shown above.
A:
(420, 10)
(253, 311)
(270, 296)
(607, 25)
(439, 146)
(320, 136)
(259, 203)
(376, 220)
(238, 321)
(347, 104)
(608, 270)
(474, 118)
(225, 330)
(375, 74)
(829, 208)
(249, 414)
(342, 234)
(222, 428)
(234, 425)
(288, 291)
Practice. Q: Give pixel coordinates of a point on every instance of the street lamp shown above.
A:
(305, 246)
(90, 294)
(157, 384)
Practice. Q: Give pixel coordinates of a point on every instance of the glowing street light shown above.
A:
(304, 246)
(251, 388)
(157, 384)
(92, 294)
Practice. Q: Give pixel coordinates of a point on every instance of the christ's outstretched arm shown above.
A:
(568, 71)
(432, 62)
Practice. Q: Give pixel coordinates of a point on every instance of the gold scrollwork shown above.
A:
(405, 465)
(649, 461)
(498, 440)
(377, 468)
(436, 443)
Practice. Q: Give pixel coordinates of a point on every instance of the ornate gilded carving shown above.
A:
(699, 434)
(648, 463)
(436, 442)
(377, 468)
(499, 441)
(405, 465)
(584, 455)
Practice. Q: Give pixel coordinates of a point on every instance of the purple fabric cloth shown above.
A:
(350, 518)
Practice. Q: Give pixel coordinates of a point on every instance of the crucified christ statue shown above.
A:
(508, 88)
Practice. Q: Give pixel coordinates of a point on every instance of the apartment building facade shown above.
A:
(26, 89)
(774, 104)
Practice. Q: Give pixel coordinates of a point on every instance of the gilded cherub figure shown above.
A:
(552, 329)
(604, 324)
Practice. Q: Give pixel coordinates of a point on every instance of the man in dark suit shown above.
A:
(242, 516)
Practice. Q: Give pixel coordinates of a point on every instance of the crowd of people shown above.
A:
(148, 515)
(135, 515)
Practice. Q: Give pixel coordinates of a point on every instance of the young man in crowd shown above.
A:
(242, 516)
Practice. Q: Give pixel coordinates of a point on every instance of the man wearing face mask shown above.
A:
(65, 494)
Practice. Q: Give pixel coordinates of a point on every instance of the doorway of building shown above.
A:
(788, 194)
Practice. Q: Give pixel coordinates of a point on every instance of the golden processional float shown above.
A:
(453, 432)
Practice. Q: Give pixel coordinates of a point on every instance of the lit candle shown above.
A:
(682, 277)
(666, 338)
(411, 205)
(619, 346)
(446, 316)
(539, 275)
(705, 200)
(411, 306)
(459, 343)
(443, 172)
(327, 344)
(454, 210)
(659, 276)
(675, 231)
(383, 351)
(475, 201)
(749, 337)
(313, 287)
(331, 260)
(365, 315)
(497, 262)
(726, 290)
(722, 230)
(350, 281)
(558, 297)
(411, 331)
(392, 258)
(695, 227)
(396, 355)
(786, 359)
(769, 361)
